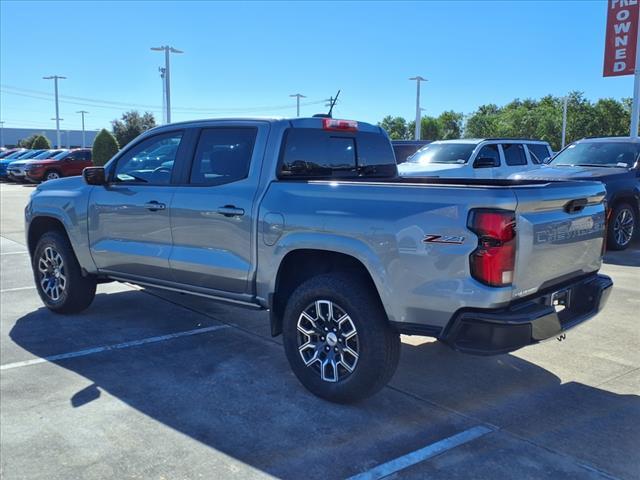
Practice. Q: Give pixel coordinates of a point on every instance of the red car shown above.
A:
(65, 164)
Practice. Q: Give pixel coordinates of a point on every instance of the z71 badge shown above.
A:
(449, 239)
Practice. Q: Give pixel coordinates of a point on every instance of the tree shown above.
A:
(105, 146)
(40, 142)
(450, 125)
(132, 124)
(27, 142)
(396, 127)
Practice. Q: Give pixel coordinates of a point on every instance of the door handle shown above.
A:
(154, 206)
(230, 211)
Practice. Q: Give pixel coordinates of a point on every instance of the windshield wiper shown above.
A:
(605, 165)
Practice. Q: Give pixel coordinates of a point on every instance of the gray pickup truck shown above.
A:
(308, 219)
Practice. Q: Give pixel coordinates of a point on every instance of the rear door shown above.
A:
(213, 213)
(129, 223)
(560, 233)
(515, 159)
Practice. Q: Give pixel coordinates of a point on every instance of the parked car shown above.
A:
(307, 218)
(475, 158)
(12, 157)
(613, 161)
(403, 149)
(65, 164)
(17, 169)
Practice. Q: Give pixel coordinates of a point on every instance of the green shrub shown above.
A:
(40, 142)
(27, 142)
(105, 146)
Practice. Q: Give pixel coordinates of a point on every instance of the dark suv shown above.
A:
(615, 162)
(65, 164)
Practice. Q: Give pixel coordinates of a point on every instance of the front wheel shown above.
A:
(52, 175)
(58, 277)
(337, 338)
(622, 226)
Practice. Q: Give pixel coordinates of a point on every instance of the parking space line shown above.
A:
(17, 289)
(117, 346)
(15, 253)
(423, 454)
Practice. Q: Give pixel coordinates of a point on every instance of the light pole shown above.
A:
(167, 75)
(418, 79)
(82, 112)
(298, 96)
(164, 94)
(564, 119)
(55, 79)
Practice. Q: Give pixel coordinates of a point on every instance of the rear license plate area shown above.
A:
(561, 300)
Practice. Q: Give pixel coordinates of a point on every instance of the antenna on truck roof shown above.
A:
(332, 102)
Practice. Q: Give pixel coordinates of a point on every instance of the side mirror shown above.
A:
(485, 162)
(94, 175)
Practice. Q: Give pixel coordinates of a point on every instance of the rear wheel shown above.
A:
(52, 175)
(58, 277)
(337, 338)
(622, 226)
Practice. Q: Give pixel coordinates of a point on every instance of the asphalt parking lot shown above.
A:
(149, 384)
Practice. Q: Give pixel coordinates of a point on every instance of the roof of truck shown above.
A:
(298, 122)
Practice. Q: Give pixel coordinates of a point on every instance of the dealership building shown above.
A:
(68, 138)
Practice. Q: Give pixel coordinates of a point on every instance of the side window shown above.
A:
(223, 155)
(538, 152)
(514, 154)
(150, 161)
(489, 152)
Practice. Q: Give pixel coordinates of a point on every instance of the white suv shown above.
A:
(476, 158)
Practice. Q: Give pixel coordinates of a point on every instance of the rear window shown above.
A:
(315, 153)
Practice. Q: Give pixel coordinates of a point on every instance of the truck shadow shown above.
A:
(233, 391)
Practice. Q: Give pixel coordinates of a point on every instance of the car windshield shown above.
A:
(452, 153)
(28, 154)
(599, 154)
(14, 155)
(46, 154)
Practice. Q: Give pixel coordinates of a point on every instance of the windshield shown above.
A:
(60, 154)
(453, 153)
(28, 154)
(599, 154)
(46, 154)
(14, 155)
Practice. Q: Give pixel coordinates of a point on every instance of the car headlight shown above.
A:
(34, 165)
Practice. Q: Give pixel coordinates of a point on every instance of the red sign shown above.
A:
(621, 38)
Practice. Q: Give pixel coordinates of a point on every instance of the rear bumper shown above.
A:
(491, 332)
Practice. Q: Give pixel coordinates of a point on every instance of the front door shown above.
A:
(212, 217)
(129, 224)
(487, 161)
(76, 161)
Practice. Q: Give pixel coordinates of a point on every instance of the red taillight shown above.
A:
(492, 263)
(342, 125)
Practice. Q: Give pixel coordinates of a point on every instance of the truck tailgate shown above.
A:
(560, 233)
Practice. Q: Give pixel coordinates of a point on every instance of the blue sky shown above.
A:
(252, 55)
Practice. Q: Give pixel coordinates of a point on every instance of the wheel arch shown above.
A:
(41, 225)
(301, 264)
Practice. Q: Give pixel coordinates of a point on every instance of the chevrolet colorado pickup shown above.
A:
(308, 219)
